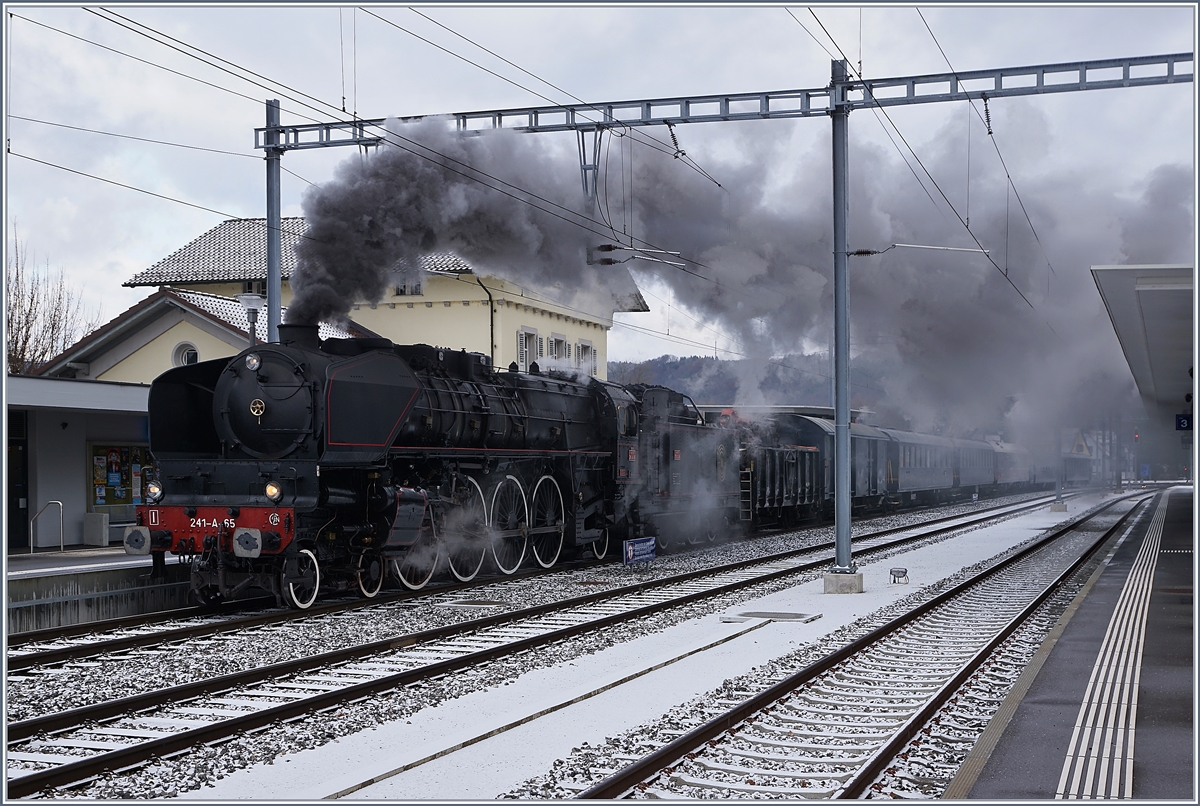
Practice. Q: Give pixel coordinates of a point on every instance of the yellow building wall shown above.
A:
(448, 313)
(151, 360)
(452, 312)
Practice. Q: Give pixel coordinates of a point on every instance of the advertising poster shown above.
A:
(120, 473)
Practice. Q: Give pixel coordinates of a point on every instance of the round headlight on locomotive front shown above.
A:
(253, 362)
(154, 492)
(273, 490)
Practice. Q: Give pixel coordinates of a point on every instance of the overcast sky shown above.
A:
(1070, 152)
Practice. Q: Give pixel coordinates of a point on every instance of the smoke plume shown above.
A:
(943, 340)
(430, 192)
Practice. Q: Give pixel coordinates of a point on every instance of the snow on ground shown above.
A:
(492, 765)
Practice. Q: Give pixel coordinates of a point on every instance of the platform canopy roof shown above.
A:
(1151, 308)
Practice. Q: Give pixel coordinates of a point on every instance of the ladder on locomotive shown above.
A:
(746, 510)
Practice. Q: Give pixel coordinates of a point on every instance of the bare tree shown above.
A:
(43, 314)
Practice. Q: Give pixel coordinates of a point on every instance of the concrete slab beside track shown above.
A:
(52, 589)
(1119, 666)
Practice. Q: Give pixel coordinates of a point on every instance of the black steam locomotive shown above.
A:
(308, 465)
(314, 465)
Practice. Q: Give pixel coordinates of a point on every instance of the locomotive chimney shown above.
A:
(303, 336)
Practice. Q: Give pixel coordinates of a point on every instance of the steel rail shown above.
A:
(78, 651)
(620, 782)
(85, 768)
(91, 649)
(48, 634)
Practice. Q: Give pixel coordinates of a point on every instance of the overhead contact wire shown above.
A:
(529, 194)
(995, 145)
(491, 72)
(942, 193)
(385, 139)
(553, 86)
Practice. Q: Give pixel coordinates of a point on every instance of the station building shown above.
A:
(445, 304)
(78, 430)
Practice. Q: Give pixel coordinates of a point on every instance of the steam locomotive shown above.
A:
(314, 465)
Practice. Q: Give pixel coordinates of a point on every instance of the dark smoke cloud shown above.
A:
(381, 212)
(948, 344)
(953, 347)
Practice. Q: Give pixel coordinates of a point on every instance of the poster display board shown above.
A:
(118, 476)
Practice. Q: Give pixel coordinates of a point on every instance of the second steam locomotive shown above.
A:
(309, 466)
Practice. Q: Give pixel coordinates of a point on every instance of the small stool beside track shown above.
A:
(900, 575)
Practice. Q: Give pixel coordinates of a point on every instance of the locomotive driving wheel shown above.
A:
(370, 572)
(300, 580)
(509, 525)
(465, 534)
(600, 545)
(548, 521)
(416, 567)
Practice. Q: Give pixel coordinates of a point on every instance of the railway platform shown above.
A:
(55, 588)
(1118, 667)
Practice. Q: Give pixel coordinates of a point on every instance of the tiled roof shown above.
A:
(226, 311)
(231, 312)
(236, 250)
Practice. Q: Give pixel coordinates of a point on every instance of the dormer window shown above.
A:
(255, 287)
(407, 289)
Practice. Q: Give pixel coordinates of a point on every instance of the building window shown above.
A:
(530, 347)
(559, 350)
(184, 353)
(585, 357)
(407, 289)
(255, 287)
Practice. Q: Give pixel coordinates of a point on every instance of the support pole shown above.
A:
(1061, 465)
(1059, 471)
(843, 563)
(274, 224)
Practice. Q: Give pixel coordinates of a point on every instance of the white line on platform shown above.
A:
(1099, 762)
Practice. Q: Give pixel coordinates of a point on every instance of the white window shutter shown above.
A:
(541, 347)
(522, 357)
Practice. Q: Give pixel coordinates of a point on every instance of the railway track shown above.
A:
(76, 643)
(196, 621)
(61, 749)
(830, 729)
